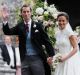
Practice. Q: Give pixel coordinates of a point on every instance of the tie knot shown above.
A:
(26, 24)
(26, 27)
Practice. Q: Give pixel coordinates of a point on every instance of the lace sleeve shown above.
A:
(70, 33)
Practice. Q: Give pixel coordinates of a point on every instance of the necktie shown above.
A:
(26, 27)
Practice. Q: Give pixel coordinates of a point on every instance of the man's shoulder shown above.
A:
(39, 24)
(3, 46)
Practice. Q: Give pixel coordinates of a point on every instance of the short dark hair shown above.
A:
(25, 5)
(63, 14)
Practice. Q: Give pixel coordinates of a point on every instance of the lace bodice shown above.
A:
(62, 41)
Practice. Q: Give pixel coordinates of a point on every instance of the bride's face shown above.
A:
(62, 21)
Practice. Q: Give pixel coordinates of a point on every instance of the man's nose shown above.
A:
(26, 13)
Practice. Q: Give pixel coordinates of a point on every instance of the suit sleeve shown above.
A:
(10, 31)
(46, 41)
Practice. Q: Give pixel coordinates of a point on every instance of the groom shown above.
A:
(34, 60)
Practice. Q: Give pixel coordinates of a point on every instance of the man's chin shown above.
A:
(26, 19)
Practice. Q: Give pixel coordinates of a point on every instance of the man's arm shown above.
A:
(10, 31)
(6, 29)
(48, 45)
(46, 42)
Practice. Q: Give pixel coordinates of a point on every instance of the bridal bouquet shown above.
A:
(56, 61)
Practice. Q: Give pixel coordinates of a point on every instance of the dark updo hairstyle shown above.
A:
(63, 14)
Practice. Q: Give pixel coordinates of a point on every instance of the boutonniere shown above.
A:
(36, 30)
(34, 25)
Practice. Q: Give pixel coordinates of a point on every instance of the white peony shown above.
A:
(39, 11)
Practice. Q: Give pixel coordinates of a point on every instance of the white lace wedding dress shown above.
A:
(72, 65)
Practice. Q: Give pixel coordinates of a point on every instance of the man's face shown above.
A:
(26, 13)
(8, 40)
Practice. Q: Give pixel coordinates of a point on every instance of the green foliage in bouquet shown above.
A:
(51, 32)
(48, 13)
(38, 3)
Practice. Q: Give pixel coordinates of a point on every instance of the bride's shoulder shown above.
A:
(70, 32)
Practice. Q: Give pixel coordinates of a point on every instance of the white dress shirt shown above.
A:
(11, 54)
(17, 53)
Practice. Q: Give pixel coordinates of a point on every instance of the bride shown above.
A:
(66, 42)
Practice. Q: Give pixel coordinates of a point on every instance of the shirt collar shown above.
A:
(29, 22)
(9, 45)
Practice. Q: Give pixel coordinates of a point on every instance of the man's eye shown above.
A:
(24, 11)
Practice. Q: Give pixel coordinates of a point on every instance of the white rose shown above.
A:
(45, 23)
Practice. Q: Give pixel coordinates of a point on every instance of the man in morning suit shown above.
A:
(34, 60)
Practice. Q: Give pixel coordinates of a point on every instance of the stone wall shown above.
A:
(12, 5)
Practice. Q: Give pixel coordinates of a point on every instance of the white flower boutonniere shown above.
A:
(34, 25)
(36, 30)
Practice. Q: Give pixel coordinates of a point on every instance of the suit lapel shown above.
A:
(6, 51)
(23, 27)
(32, 29)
